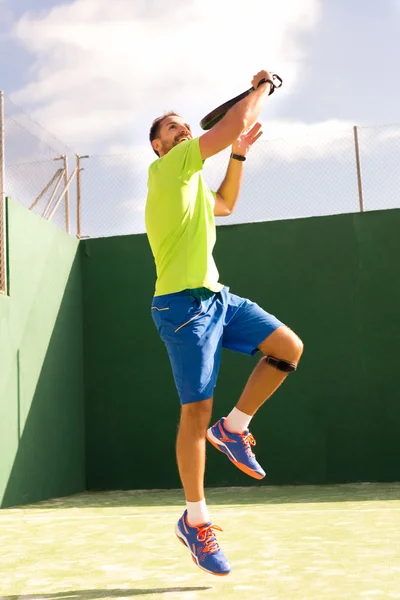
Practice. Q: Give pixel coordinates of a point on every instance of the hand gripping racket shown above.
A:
(216, 115)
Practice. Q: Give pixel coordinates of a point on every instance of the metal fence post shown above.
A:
(78, 195)
(67, 211)
(3, 274)
(358, 163)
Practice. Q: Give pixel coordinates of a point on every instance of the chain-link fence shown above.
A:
(349, 170)
(342, 171)
(40, 170)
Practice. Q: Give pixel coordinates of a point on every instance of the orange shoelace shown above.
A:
(207, 536)
(248, 440)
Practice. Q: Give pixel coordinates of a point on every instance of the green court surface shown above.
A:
(286, 543)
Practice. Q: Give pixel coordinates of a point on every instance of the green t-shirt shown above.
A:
(180, 221)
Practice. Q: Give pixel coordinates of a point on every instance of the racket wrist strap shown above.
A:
(268, 81)
(238, 157)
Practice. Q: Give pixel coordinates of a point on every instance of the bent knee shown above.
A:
(283, 343)
(197, 412)
(296, 343)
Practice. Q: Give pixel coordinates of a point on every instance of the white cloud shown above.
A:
(299, 129)
(390, 132)
(286, 142)
(103, 68)
(296, 140)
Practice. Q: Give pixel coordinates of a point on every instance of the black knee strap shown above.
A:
(281, 365)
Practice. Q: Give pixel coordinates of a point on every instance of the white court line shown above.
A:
(50, 516)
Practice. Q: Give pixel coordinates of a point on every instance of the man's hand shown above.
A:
(246, 140)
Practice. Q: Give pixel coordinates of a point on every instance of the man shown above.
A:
(196, 316)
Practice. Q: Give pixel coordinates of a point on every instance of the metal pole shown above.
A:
(67, 214)
(64, 192)
(78, 195)
(48, 186)
(358, 163)
(53, 195)
(3, 276)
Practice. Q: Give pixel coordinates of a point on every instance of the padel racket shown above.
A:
(216, 115)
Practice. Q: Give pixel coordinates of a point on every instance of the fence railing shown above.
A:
(314, 173)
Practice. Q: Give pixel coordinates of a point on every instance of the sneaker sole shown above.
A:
(217, 444)
(183, 541)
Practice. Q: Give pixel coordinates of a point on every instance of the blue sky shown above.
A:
(350, 65)
(94, 72)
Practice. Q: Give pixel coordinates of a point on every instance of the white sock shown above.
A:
(197, 512)
(237, 421)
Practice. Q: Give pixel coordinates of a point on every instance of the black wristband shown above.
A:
(238, 157)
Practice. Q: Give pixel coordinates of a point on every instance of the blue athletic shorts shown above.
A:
(196, 324)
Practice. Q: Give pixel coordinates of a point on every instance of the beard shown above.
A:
(167, 146)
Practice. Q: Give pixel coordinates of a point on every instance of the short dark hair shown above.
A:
(155, 127)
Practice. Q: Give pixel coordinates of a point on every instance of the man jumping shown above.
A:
(196, 316)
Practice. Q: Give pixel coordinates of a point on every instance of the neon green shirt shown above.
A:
(180, 221)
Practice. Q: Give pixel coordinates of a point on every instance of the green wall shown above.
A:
(42, 445)
(334, 280)
(87, 399)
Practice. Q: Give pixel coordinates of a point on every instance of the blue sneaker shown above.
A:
(203, 546)
(237, 447)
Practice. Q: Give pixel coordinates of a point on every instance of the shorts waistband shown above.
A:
(198, 293)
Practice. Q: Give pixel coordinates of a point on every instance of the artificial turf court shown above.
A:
(286, 543)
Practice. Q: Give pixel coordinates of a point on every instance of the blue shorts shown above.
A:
(196, 324)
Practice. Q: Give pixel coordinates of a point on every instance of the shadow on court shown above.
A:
(94, 594)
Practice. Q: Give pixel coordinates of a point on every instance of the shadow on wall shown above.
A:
(48, 426)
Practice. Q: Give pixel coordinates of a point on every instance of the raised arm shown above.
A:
(239, 118)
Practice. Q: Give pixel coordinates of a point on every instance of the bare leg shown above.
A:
(265, 379)
(191, 447)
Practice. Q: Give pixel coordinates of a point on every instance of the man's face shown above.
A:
(173, 131)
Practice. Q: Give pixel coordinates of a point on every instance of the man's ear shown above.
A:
(156, 145)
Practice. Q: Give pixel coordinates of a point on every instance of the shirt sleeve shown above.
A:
(184, 160)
